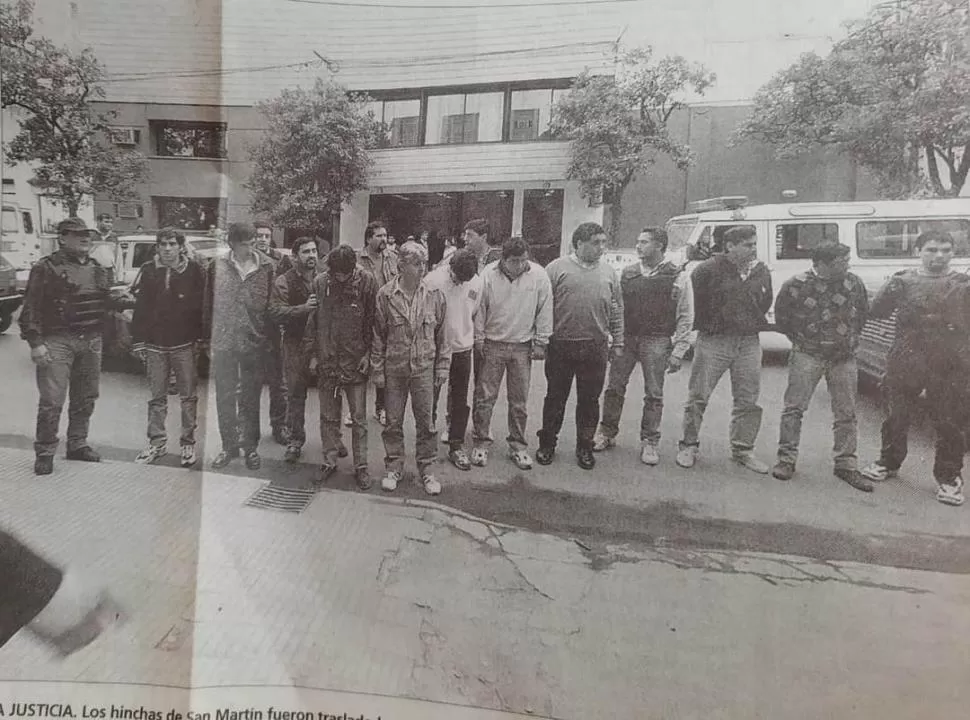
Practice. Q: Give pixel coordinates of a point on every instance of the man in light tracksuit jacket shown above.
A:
(512, 328)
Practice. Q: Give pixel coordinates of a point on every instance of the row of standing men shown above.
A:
(377, 316)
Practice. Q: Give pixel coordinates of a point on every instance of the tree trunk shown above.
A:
(72, 204)
(958, 175)
(934, 170)
(616, 215)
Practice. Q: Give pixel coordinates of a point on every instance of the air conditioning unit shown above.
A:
(124, 136)
(129, 210)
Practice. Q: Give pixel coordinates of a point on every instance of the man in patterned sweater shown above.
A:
(822, 311)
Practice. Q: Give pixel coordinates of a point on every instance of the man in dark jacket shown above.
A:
(339, 333)
(166, 328)
(236, 317)
(273, 358)
(928, 354)
(732, 293)
(822, 311)
(68, 296)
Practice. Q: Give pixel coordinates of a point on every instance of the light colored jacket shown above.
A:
(409, 338)
(515, 311)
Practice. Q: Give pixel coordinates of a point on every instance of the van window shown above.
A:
(678, 233)
(795, 241)
(718, 235)
(142, 253)
(897, 238)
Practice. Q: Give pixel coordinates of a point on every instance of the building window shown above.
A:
(401, 120)
(189, 139)
(897, 238)
(188, 213)
(796, 241)
(532, 114)
(466, 118)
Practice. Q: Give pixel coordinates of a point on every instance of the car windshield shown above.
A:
(205, 244)
(678, 232)
(4, 265)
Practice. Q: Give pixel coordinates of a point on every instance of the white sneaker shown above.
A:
(521, 459)
(431, 486)
(878, 472)
(602, 442)
(188, 456)
(479, 457)
(648, 454)
(151, 454)
(951, 494)
(687, 456)
(444, 436)
(749, 461)
(390, 480)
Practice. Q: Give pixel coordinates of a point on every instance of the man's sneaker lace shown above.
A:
(951, 494)
(151, 454)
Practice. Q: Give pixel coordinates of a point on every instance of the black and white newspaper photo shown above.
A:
(484, 359)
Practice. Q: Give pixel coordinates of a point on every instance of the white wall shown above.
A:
(576, 210)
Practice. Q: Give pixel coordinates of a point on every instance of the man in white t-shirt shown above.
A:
(462, 289)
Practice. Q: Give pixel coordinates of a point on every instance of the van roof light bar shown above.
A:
(726, 202)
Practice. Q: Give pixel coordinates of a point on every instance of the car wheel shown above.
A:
(5, 321)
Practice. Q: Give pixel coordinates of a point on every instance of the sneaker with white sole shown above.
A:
(431, 486)
(521, 459)
(151, 454)
(390, 480)
(479, 457)
(602, 442)
(951, 494)
(189, 457)
(444, 436)
(687, 456)
(878, 472)
(750, 462)
(648, 454)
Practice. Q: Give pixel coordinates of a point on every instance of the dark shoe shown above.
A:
(326, 472)
(783, 471)
(84, 454)
(585, 459)
(224, 458)
(44, 465)
(855, 479)
(342, 451)
(252, 460)
(363, 478)
(544, 455)
(281, 435)
(292, 454)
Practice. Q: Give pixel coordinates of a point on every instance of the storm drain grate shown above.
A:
(284, 499)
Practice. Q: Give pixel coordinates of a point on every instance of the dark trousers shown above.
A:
(585, 360)
(238, 411)
(297, 377)
(459, 377)
(273, 377)
(330, 412)
(73, 374)
(29, 583)
(947, 400)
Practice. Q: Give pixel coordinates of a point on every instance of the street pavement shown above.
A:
(400, 597)
(623, 592)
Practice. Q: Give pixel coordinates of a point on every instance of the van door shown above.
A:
(794, 241)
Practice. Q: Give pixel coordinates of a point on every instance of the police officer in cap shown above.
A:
(65, 307)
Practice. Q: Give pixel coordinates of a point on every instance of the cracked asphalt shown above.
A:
(626, 592)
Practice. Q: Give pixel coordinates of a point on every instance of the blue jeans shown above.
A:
(159, 366)
(841, 377)
(75, 367)
(514, 362)
(713, 356)
(652, 353)
(238, 379)
(330, 418)
(420, 389)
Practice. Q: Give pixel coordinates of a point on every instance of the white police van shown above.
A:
(880, 233)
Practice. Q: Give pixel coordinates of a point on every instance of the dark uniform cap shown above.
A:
(73, 224)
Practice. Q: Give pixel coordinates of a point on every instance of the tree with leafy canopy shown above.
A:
(894, 95)
(52, 89)
(314, 155)
(619, 125)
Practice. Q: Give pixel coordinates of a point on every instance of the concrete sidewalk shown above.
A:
(386, 596)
